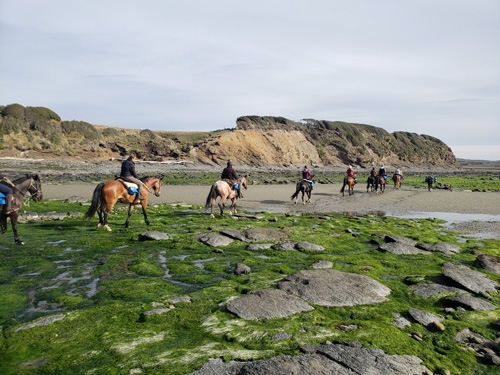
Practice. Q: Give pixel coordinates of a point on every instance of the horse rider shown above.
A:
(381, 172)
(350, 172)
(231, 177)
(6, 188)
(373, 172)
(128, 174)
(306, 175)
(398, 172)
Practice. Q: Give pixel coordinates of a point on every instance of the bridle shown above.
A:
(32, 188)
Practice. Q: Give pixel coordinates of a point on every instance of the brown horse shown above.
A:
(106, 194)
(397, 180)
(350, 182)
(31, 184)
(381, 182)
(223, 190)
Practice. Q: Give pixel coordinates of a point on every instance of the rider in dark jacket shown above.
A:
(381, 172)
(230, 176)
(5, 188)
(128, 174)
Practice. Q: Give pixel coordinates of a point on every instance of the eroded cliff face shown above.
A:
(257, 148)
(256, 141)
(275, 141)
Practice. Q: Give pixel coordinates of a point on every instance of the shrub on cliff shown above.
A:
(82, 128)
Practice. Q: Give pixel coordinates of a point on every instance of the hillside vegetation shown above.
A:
(38, 132)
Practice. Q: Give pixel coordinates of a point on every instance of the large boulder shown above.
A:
(338, 359)
(335, 288)
(474, 281)
(267, 304)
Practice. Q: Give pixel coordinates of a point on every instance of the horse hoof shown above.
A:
(212, 216)
(107, 228)
(98, 225)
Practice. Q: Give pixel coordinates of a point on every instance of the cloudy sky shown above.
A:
(428, 66)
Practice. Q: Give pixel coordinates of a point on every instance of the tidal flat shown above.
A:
(99, 288)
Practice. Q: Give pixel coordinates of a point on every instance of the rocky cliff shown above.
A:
(37, 132)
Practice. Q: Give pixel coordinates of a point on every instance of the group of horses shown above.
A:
(108, 193)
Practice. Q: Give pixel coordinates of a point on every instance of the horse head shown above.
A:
(244, 182)
(157, 186)
(35, 187)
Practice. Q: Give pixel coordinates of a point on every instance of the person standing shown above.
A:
(231, 177)
(128, 174)
(6, 188)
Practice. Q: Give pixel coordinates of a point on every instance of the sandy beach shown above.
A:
(474, 213)
(325, 198)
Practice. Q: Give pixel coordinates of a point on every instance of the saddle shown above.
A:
(131, 187)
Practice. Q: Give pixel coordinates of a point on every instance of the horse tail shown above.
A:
(297, 191)
(208, 203)
(343, 186)
(96, 201)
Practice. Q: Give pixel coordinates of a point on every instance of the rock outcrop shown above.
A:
(37, 132)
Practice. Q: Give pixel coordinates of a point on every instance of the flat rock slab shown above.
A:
(429, 290)
(213, 239)
(267, 304)
(153, 236)
(303, 245)
(255, 234)
(334, 288)
(322, 264)
(42, 322)
(490, 263)
(423, 317)
(400, 248)
(394, 238)
(445, 248)
(338, 359)
(474, 281)
(472, 303)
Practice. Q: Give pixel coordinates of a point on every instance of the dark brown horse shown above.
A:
(304, 187)
(349, 182)
(371, 183)
(30, 183)
(223, 190)
(380, 184)
(106, 194)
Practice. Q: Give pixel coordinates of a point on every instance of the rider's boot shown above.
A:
(8, 208)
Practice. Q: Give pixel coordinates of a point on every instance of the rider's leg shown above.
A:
(8, 207)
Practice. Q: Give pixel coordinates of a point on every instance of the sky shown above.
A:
(427, 67)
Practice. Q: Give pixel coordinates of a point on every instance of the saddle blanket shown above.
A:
(132, 188)
(2, 198)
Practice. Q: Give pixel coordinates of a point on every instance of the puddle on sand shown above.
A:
(449, 217)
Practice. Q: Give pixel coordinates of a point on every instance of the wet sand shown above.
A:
(325, 199)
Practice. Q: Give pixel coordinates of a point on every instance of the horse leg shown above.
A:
(221, 205)
(232, 210)
(3, 221)
(144, 205)
(13, 221)
(129, 214)
(212, 203)
(105, 214)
